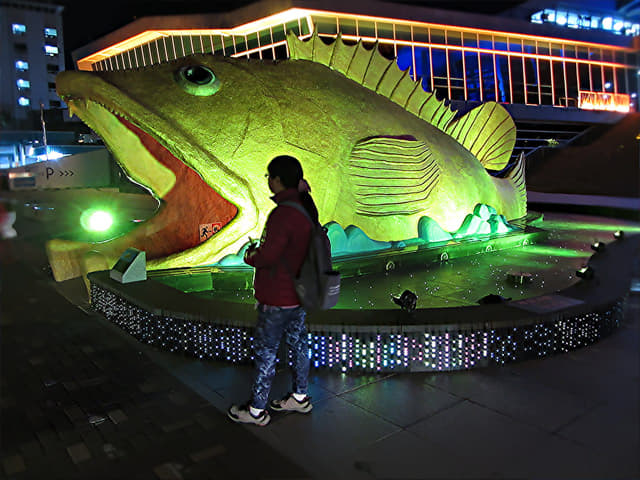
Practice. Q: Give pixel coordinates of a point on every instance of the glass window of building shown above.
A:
(22, 83)
(51, 50)
(51, 68)
(366, 28)
(24, 102)
(18, 29)
(22, 66)
(50, 32)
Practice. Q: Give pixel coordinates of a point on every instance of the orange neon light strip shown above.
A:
(539, 56)
(461, 29)
(305, 15)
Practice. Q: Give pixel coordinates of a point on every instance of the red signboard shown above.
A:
(611, 102)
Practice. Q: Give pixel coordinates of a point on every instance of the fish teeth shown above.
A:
(72, 108)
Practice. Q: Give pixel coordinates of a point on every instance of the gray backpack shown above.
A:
(317, 285)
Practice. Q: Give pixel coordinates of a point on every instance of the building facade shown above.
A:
(31, 55)
(546, 65)
(461, 63)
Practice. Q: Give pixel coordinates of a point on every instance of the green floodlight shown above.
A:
(96, 220)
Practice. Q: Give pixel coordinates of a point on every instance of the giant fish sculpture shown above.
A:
(378, 151)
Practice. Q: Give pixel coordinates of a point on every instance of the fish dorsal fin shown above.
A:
(488, 132)
(392, 175)
(368, 67)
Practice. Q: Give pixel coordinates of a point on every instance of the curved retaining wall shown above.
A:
(385, 340)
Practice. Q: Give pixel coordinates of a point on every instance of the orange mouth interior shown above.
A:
(188, 206)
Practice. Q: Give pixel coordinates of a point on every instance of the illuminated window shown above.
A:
(23, 102)
(587, 21)
(50, 32)
(561, 18)
(18, 29)
(22, 84)
(51, 50)
(22, 66)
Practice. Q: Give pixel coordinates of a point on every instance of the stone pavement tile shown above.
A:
(208, 453)
(569, 374)
(107, 429)
(117, 416)
(338, 383)
(70, 386)
(208, 418)
(174, 426)
(404, 455)
(217, 376)
(47, 438)
(79, 452)
(69, 436)
(178, 398)
(619, 351)
(512, 395)
(113, 451)
(31, 450)
(401, 399)
(13, 464)
(75, 414)
(92, 381)
(613, 431)
(93, 440)
(169, 471)
(139, 441)
(304, 436)
(500, 446)
(36, 418)
(207, 470)
(55, 462)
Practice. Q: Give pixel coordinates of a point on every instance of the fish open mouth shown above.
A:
(191, 212)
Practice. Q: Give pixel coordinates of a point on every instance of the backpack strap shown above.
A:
(300, 208)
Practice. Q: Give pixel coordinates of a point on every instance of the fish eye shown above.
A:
(197, 80)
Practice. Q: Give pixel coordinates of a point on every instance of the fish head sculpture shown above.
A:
(195, 133)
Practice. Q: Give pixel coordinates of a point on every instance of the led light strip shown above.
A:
(378, 349)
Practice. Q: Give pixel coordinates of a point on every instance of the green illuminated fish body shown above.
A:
(377, 150)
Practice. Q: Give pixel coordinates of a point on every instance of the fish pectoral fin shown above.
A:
(392, 175)
(488, 132)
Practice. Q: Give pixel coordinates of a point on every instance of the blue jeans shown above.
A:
(273, 323)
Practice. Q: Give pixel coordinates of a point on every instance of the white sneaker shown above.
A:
(242, 414)
(290, 404)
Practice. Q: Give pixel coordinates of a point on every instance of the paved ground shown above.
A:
(78, 400)
(81, 399)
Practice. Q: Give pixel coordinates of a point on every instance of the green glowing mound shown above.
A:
(482, 223)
